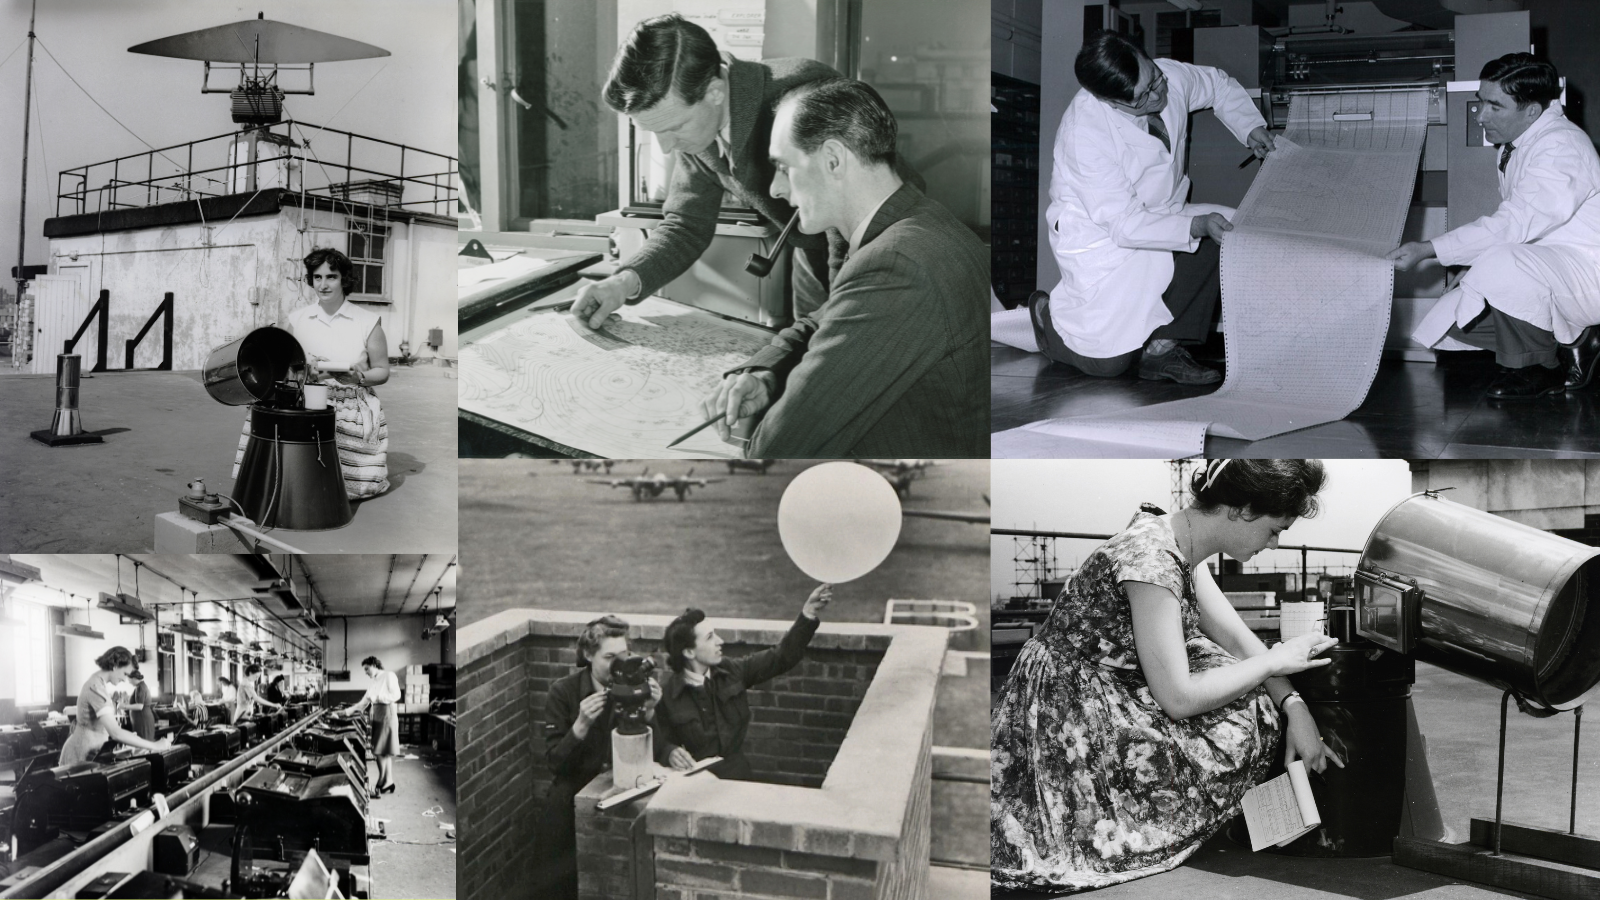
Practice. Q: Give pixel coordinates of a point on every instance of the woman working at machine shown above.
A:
(383, 697)
(1135, 720)
(141, 707)
(248, 700)
(346, 350)
(97, 712)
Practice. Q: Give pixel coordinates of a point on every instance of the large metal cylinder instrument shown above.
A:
(1485, 597)
(290, 475)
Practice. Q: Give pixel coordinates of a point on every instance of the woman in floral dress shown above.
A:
(1135, 720)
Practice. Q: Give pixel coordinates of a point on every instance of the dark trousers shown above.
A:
(1516, 344)
(1192, 298)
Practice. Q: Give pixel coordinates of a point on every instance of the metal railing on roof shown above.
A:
(292, 156)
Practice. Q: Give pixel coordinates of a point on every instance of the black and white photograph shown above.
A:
(1293, 678)
(732, 229)
(1356, 229)
(228, 329)
(773, 685)
(227, 726)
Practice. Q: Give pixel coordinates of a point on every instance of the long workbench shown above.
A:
(127, 846)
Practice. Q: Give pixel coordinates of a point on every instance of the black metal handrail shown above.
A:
(193, 171)
(164, 309)
(101, 308)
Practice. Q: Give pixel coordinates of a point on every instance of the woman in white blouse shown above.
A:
(97, 712)
(346, 350)
(384, 698)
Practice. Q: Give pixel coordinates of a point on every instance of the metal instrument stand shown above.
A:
(1542, 861)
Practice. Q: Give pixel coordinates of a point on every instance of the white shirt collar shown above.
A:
(861, 229)
(691, 678)
(344, 311)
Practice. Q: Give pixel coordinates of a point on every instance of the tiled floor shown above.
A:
(1414, 410)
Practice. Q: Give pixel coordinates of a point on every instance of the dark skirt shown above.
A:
(385, 729)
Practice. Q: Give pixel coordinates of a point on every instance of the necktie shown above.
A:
(1159, 129)
(1505, 155)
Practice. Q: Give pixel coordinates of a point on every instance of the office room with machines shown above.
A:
(190, 168)
(227, 726)
(604, 288)
(1369, 178)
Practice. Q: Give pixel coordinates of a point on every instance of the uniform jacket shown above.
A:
(575, 763)
(1118, 208)
(719, 728)
(895, 362)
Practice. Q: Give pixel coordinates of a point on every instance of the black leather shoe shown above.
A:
(1039, 315)
(1527, 383)
(1176, 365)
(1580, 358)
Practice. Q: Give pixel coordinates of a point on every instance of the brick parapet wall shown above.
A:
(799, 724)
(495, 800)
(615, 854)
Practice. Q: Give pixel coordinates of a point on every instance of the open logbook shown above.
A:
(1280, 810)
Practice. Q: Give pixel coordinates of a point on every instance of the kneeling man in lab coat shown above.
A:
(1118, 213)
(1535, 261)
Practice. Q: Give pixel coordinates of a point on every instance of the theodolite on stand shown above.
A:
(632, 743)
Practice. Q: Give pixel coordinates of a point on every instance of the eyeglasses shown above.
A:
(1159, 84)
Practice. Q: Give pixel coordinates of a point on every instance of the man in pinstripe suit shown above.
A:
(893, 363)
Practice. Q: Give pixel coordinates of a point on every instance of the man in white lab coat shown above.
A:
(1535, 261)
(1118, 212)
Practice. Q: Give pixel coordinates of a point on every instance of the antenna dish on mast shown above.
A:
(251, 45)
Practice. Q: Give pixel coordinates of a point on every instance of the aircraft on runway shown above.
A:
(759, 466)
(646, 485)
(899, 472)
(579, 466)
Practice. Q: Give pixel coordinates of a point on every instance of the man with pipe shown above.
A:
(893, 363)
(714, 112)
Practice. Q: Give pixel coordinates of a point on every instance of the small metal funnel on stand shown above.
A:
(290, 476)
(67, 426)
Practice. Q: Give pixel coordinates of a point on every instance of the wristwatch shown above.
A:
(1292, 695)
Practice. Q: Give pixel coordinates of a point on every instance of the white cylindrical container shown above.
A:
(631, 759)
(1296, 619)
(316, 396)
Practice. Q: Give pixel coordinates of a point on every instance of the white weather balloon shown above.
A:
(838, 521)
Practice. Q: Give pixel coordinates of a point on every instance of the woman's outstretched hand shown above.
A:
(1296, 655)
(1302, 741)
(818, 601)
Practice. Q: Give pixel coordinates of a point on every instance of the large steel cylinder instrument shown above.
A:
(290, 475)
(1485, 597)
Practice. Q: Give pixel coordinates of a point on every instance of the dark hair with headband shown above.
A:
(1259, 487)
(595, 632)
(115, 658)
(1524, 77)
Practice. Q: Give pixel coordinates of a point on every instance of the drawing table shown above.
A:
(624, 392)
